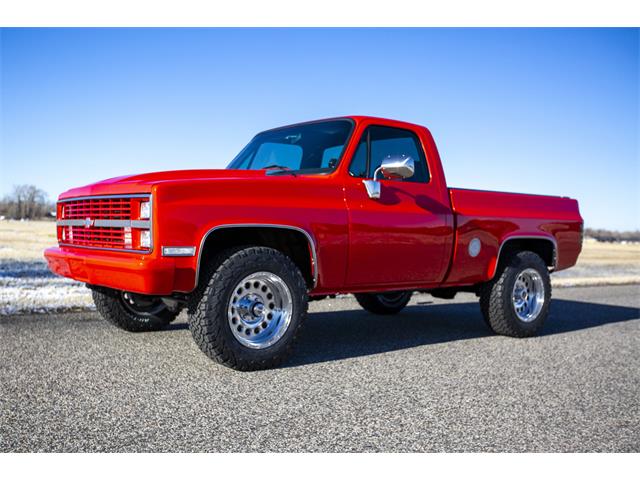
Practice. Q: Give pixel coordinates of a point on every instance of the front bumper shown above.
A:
(137, 273)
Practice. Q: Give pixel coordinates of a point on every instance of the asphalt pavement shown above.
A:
(432, 378)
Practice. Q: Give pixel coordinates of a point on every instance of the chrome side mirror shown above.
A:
(392, 167)
(397, 167)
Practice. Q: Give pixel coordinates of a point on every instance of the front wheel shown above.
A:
(249, 313)
(384, 303)
(132, 312)
(516, 302)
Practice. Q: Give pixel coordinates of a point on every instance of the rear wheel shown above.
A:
(250, 312)
(384, 303)
(516, 302)
(131, 311)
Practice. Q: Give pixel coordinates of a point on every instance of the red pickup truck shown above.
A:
(346, 205)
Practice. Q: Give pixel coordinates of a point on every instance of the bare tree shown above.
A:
(26, 201)
(603, 235)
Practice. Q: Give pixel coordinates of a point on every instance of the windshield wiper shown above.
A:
(278, 169)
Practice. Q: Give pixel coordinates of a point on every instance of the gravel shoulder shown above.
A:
(432, 378)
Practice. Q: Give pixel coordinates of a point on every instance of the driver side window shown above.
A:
(379, 143)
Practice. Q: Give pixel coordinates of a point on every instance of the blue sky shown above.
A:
(552, 111)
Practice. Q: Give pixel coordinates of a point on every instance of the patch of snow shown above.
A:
(29, 287)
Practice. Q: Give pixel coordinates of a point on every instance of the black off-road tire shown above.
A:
(208, 316)
(111, 305)
(496, 296)
(384, 303)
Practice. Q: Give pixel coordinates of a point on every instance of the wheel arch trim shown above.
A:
(308, 236)
(548, 238)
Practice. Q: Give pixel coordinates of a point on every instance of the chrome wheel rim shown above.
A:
(528, 295)
(260, 309)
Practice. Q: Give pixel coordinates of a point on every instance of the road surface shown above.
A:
(432, 378)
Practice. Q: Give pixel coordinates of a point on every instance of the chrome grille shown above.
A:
(110, 222)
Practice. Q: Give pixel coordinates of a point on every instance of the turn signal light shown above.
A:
(145, 238)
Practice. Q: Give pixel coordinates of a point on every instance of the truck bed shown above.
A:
(498, 217)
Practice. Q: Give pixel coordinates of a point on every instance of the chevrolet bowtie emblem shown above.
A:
(88, 223)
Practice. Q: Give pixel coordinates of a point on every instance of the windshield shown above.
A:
(307, 148)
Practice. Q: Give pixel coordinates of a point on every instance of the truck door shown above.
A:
(403, 237)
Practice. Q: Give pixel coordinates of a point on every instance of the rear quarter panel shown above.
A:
(495, 217)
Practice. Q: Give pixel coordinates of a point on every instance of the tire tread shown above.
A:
(207, 301)
(109, 305)
(495, 301)
(370, 302)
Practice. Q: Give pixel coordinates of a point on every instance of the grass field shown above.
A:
(597, 253)
(603, 264)
(25, 240)
(26, 285)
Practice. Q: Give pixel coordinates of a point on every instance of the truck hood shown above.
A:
(142, 183)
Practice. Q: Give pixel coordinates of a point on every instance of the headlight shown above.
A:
(145, 210)
(145, 239)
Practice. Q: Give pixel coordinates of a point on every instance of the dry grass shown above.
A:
(596, 253)
(26, 240)
(603, 264)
